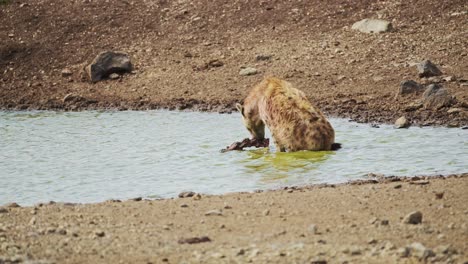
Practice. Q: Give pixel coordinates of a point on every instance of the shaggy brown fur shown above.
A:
(294, 123)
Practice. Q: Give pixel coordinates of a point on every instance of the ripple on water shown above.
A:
(94, 156)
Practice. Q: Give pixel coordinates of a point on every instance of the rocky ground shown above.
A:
(397, 220)
(189, 54)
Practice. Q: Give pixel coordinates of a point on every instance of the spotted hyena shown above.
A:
(294, 123)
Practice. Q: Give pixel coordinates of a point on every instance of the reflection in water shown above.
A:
(279, 165)
(94, 156)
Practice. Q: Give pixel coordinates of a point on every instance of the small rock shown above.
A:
(449, 79)
(372, 26)
(420, 251)
(214, 212)
(372, 241)
(240, 252)
(184, 205)
(215, 63)
(194, 240)
(403, 252)
(197, 197)
(318, 261)
(402, 122)
(262, 57)
(439, 195)
(428, 69)
(409, 87)
(114, 76)
(106, 63)
(266, 212)
(3, 210)
(373, 220)
(248, 71)
(66, 72)
(12, 205)
(413, 218)
(99, 233)
(186, 194)
(313, 229)
(137, 199)
(32, 221)
(384, 222)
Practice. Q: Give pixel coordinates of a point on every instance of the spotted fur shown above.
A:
(294, 123)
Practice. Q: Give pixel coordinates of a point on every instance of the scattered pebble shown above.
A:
(186, 194)
(402, 122)
(99, 233)
(313, 229)
(66, 72)
(372, 26)
(114, 76)
(197, 196)
(413, 218)
(262, 57)
(248, 71)
(403, 252)
(194, 240)
(427, 69)
(266, 212)
(12, 205)
(214, 212)
(420, 251)
(373, 220)
(420, 182)
(439, 195)
(184, 205)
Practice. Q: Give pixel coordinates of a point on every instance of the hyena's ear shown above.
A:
(240, 108)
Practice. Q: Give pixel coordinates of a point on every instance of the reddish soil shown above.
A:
(344, 72)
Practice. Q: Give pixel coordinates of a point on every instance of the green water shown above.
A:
(95, 156)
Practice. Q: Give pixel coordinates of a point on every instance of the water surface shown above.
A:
(94, 156)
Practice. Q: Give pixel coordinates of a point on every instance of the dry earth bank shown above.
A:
(310, 43)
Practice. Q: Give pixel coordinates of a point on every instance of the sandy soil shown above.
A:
(350, 223)
(344, 72)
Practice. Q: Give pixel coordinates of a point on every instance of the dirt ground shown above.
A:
(350, 223)
(309, 43)
(344, 72)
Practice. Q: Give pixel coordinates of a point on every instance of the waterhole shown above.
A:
(94, 156)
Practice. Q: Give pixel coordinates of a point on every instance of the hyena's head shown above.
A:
(252, 120)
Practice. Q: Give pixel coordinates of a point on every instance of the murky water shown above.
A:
(94, 156)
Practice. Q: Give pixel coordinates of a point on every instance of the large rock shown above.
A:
(436, 97)
(409, 87)
(372, 26)
(107, 63)
(428, 69)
